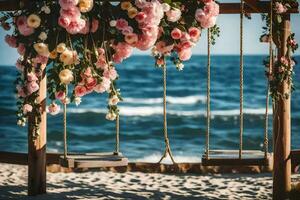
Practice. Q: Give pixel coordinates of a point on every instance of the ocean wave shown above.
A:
(158, 110)
(170, 99)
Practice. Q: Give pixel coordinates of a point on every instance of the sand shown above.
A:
(137, 185)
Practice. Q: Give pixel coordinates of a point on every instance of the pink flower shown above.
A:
(207, 1)
(208, 16)
(53, 109)
(185, 45)
(148, 38)
(176, 34)
(101, 51)
(103, 86)
(86, 28)
(64, 21)
(11, 41)
(101, 64)
(23, 27)
(72, 13)
(160, 61)
(116, 58)
(21, 49)
(60, 95)
(163, 48)
(67, 4)
(121, 24)
(27, 108)
(185, 54)
(40, 59)
(19, 65)
(21, 21)
(140, 17)
(95, 25)
(87, 73)
(280, 8)
(110, 73)
(90, 83)
(80, 91)
(76, 26)
(32, 77)
(127, 30)
(131, 38)
(211, 9)
(20, 91)
(194, 34)
(173, 15)
(122, 50)
(32, 87)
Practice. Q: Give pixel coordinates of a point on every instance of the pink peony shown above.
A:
(185, 54)
(21, 49)
(95, 25)
(176, 34)
(32, 87)
(76, 26)
(11, 41)
(121, 24)
(80, 91)
(27, 108)
(194, 34)
(53, 109)
(110, 73)
(67, 4)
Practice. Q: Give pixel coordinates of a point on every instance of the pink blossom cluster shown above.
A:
(30, 87)
(23, 27)
(70, 18)
(122, 51)
(208, 15)
(280, 8)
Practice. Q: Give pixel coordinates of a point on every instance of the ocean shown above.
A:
(141, 120)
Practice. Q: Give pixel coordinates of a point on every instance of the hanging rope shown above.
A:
(208, 95)
(117, 150)
(241, 79)
(266, 139)
(165, 127)
(65, 125)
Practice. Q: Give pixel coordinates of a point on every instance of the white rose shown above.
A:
(61, 47)
(111, 116)
(66, 76)
(67, 57)
(114, 100)
(43, 36)
(34, 21)
(166, 7)
(113, 23)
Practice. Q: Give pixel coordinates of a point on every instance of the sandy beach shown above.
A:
(137, 185)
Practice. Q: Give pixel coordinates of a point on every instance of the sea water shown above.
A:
(141, 121)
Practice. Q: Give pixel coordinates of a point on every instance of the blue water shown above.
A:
(141, 120)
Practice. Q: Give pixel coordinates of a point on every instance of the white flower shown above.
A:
(114, 100)
(166, 7)
(43, 36)
(111, 116)
(67, 57)
(46, 9)
(41, 49)
(180, 66)
(113, 23)
(77, 101)
(61, 47)
(66, 76)
(34, 21)
(19, 122)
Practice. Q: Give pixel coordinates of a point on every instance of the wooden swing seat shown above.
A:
(231, 158)
(93, 160)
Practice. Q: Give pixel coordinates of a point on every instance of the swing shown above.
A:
(237, 157)
(92, 160)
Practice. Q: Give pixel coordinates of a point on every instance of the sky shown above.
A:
(227, 43)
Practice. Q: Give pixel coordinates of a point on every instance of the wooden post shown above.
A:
(282, 128)
(37, 148)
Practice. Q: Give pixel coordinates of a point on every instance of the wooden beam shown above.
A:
(37, 147)
(252, 6)
(282, 124)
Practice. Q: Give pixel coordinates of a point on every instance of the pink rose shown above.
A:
(90, 83)
(173, 15)
(101, 51)
(23, 27)
(208, 23)
(64, 21)
(21, 49)
(67, 4)
(116, 58)
(185, 54)
(101, 63)
(147, 39)
(27, 108)
(121, 24)
(21, 21)
(60, 95)
(19, 65)
(194, 34)
(280, 8)
(95, 25)
(127, 30)
(140, 17)
(32, 87)
(86, 28)
(176, 34)
(40, 59)
(110, 73)
(131, 38)
(103, 86)
(163, 48)
(211, 9)
(185, 45)
(53, 109)
(72, 13)
(11, 41)
(123, 50)
(80, 91)
(32, 77)
(20, 91)
(76, 26)
(87, 73)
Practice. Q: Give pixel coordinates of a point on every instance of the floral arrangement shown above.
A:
(283, 69)
(181, 28)
(79, 42)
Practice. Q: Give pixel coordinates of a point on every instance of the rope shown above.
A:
(65, 126)
(208, 95)
(165, 126)
(266, 139)
(117, 150)
(241, 79)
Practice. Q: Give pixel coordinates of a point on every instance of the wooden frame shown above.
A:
(282, 163)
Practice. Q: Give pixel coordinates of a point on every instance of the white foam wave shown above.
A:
(158, 110)
(170, 99)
